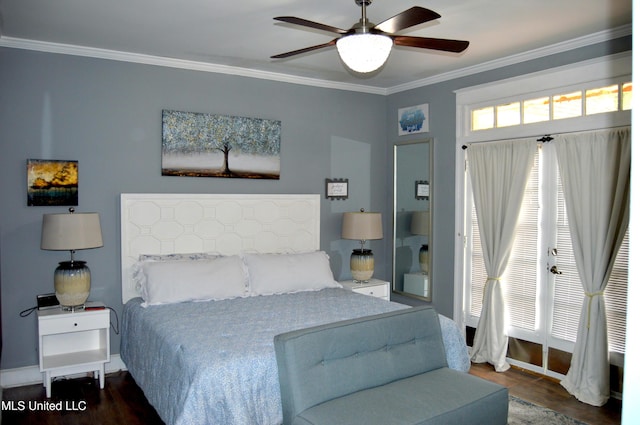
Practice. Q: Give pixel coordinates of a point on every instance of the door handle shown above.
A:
(554, 270)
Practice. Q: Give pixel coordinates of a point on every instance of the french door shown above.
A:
(542, 288)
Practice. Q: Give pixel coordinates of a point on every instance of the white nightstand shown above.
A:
(374, 287)
(73, 342)
(418, 284)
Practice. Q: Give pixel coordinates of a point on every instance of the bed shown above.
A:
(204, 354)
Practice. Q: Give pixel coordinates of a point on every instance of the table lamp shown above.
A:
(71, 232)
(420, 226)
(362, 226)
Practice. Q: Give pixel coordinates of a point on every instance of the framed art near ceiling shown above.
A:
(52, 182)
(208, 145)
(414, 119)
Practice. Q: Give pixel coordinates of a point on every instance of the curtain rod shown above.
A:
(543, 139)
(548, 137)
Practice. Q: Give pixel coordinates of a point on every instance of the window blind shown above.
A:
(520, 279)
(569, 295)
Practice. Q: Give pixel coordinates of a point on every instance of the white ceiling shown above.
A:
(240, 36)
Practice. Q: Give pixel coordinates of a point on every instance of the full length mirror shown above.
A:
(412, 218)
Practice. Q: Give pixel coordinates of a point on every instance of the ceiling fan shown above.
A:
(365, 47)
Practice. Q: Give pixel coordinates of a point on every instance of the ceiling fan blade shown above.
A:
(305, 50)
(443, 44)
(410, 17)
(309, 24)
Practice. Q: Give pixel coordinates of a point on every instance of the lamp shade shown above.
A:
(362, 225)
(420, 223)
(66, 232)
(364, 52)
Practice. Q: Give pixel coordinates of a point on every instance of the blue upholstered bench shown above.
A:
(384, 369)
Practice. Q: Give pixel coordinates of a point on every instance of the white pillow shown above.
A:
(138, 274)
(178, 281)
(286, 273)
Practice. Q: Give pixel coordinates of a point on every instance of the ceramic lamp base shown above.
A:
(72, 283)
(362, 265)
(423, 259)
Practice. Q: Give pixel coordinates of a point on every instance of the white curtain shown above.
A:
(595, 172)
(498, 173)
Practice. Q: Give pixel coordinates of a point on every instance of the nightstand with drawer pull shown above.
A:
(73, 342)
(374, 288)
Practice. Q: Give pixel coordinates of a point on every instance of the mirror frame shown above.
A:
(429, 141)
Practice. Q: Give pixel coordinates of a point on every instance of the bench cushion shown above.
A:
(442, 396)
(329, 361)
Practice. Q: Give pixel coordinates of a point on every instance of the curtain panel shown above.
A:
(595, 171)
(498, 172)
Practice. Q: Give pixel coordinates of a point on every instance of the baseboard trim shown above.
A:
(30, 375)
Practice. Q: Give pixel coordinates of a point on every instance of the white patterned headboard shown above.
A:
(153, 223)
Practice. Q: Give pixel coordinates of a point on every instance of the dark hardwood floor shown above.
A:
(547, 392)
(120, 402)
(80, 401)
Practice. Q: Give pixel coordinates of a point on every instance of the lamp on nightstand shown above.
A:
(420, 226)
(70, 232)
(362, 226)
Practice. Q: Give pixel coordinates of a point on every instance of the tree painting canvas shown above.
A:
(208, 145)
(52, 182)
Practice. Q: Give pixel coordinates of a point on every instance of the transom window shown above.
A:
(575, 103)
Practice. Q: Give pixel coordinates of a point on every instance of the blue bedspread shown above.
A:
(214, 362)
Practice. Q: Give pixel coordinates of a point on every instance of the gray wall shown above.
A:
(107, 115)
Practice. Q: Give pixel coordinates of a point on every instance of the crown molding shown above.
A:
(74, 50)
(68, 49)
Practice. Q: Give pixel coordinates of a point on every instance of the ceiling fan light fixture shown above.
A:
(364, 52)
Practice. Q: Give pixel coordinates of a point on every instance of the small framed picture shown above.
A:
(422, 189)
(337, 188)
(414, 119)
(52, 182)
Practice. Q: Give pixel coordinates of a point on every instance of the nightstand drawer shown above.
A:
(378, 291)
(373, 288)
(76, 322)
